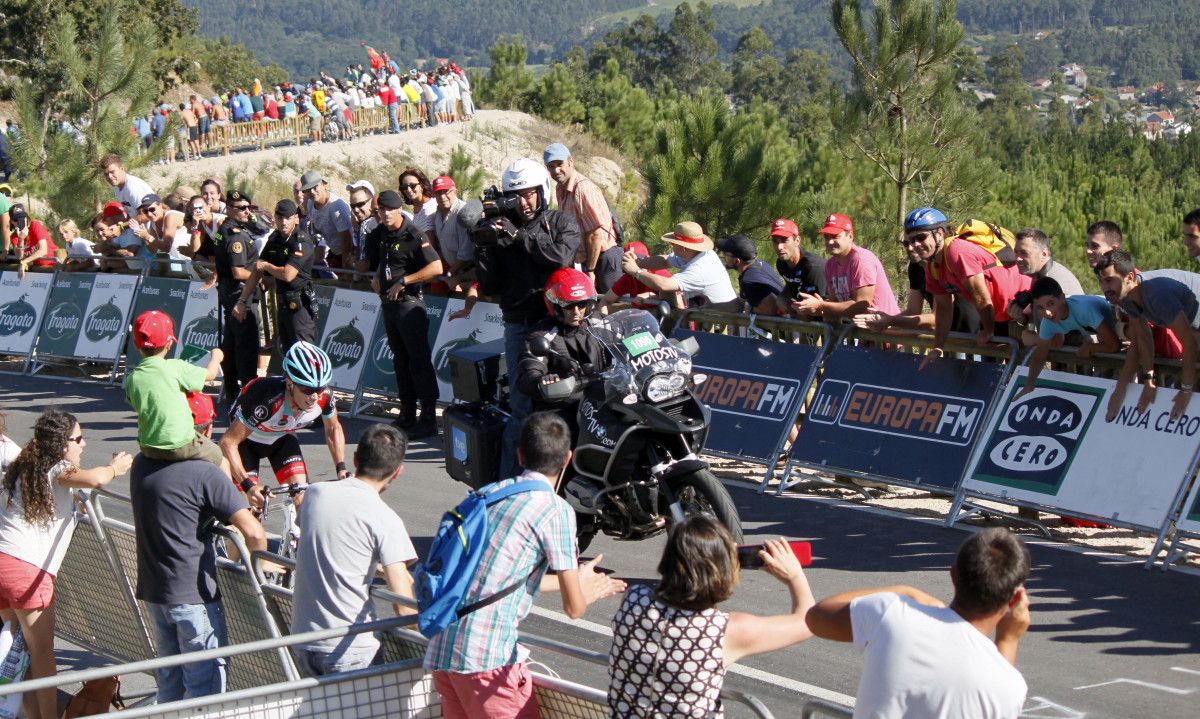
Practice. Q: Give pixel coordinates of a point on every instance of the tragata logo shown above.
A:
(346, 345)
(62, 320)
(104, 322)
(203, 331)
(441, 358)
(749, 395)
(890, 410)
(381, 356)
(17, 317)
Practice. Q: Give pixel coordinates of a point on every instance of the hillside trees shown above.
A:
(508, 82)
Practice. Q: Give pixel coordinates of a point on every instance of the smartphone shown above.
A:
(748, 557)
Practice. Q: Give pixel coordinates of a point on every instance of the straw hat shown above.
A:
(689, 235)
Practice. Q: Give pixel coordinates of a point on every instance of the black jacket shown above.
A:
(577, 354)
(514, 265)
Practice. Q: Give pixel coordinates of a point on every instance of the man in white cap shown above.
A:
(579, 197)
(702, 278)
(328, 216)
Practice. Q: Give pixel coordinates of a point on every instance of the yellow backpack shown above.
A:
(998, 241)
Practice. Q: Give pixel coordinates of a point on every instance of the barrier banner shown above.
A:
(754, 388)
(1190, 521)
(21, 305)
(198, 327)
(876, 413)
(86, 316)
(378, 374)
(483, 325)
(342, 326)
(1053, 447)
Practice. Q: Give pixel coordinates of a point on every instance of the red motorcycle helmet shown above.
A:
(568, 286)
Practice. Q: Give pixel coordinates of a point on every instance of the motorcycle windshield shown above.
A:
(638, 347)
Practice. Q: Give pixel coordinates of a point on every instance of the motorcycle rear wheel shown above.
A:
(702, 493)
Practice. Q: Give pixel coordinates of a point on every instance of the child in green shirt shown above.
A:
(156, 390)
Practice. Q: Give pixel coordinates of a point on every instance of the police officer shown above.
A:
(287, 257)
(401, 258)
(235, 258)
(515, 254)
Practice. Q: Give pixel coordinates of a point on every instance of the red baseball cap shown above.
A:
(202, 408)
(152, 330)
(443, 182)
(783, 227)
(638, 248)
(113, 209)
(836, 224)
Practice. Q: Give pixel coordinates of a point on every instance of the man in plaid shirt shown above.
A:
(478, 667)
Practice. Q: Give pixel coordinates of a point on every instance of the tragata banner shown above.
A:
(1052, 447)
(344, 332)
(379, 374)
(755, 390)
(484, 324)
(192, 309)
(86, 316)
(21, 304)
(877, 413)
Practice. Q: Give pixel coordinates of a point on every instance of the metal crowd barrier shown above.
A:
(816, 709)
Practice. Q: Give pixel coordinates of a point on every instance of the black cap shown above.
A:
(236, 196)
(149, 200)
(286, 208)
(391, 200)
(739, 246)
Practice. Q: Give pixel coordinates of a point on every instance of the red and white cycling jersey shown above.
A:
(263, 406)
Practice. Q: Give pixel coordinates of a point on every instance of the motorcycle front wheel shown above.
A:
(702, 493)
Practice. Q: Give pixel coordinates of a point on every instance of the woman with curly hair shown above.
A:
(37, 518)
(8, 448)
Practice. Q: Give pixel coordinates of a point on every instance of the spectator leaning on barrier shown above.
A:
(702, 279)
(31, 241)
(286, 258)
(1191, 234)
(453, 238)
(1034, 261)
(173, 502)
(235, 256)
(1089, 317)
(79, 250)
(329, 217)
(758, 285)
(349, 532)
(127, 189)
(402, 259)
(478, 666)
(802, 271)
(579, 197)
(924, 659)
(854, 276)
(628, 285)
(1167, 298)
(37, 519)
(958, 266)
(672, 645)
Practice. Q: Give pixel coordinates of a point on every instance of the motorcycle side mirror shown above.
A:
(688, 345)
(561, 389)
(664, 309)
(540, 345)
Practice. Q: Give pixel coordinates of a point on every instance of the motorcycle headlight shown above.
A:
(665, 386)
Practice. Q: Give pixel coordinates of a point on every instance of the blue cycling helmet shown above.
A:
(924, 217)
(308, 366)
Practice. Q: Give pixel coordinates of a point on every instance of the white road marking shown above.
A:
(1046, 709)
(1140, 683)
(1185, 671)
(749, 672)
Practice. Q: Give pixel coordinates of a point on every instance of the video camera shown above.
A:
(477, 215)
(496, 204)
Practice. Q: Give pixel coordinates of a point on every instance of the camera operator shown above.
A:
(519, 243)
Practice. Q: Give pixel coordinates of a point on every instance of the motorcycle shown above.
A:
(636, 468)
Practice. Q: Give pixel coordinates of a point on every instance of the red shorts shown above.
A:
(504, 693)
(24, 586)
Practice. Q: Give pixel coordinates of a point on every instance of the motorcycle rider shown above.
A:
(516, 252)
(570, 297)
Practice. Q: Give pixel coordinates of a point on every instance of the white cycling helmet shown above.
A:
(308, 366)
(526, 173)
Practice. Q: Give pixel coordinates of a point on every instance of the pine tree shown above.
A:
(904, 113)
(756, 72)
(67, 131)
(508, 82)
(557, 96)
(620, 113)
(467, 179)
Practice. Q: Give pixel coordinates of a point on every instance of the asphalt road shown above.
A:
(1109, 639)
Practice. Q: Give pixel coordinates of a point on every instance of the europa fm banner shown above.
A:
(86, 316)
(21, 304)
(876, 412)
(192, 309)
(754, 390)
(1053, 448)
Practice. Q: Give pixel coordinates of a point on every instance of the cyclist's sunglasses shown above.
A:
(309, 390)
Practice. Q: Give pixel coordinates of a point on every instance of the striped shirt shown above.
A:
(530, 529)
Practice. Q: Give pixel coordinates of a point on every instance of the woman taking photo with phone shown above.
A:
(37, 518)
(671, 645)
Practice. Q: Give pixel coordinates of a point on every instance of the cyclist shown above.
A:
(271, 410)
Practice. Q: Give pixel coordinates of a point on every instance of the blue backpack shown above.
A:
(441, 581)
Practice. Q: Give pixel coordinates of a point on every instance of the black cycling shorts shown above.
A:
(284, 454)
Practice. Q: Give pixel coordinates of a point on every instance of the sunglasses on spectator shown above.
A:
(239, 208)
(198, 208)
(915, 239)
(360, 205)
(410, 185)
(78, 439)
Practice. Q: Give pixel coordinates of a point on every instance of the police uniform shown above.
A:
(295, 300)
(239, 340)
(393, 255)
